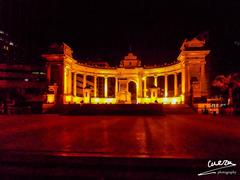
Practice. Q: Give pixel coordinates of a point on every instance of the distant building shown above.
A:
(10, 52)
(178, 82)
(22, 81)
(17, 80)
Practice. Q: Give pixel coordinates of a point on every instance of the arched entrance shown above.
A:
(132, 88)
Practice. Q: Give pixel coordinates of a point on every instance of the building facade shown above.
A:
(71, 81)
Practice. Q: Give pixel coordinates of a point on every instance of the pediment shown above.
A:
(195, 43)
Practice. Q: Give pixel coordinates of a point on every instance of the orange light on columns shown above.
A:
(105, 87)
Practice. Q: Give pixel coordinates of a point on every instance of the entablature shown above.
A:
(125, 72)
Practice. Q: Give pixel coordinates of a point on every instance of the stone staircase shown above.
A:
(178, 109)
(112, 109)
(121, 109)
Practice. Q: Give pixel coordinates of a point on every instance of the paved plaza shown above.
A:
(167, 136)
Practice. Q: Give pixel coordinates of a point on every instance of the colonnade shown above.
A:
(70, 84)
(165, 84)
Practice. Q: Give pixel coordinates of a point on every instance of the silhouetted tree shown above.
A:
(228, 83)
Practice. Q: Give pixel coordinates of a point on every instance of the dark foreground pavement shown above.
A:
(116, 147)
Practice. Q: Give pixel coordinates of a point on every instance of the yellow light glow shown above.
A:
(77, 100)
(182, 98)
(168, 100)
(103, 100)
(166, 94)
(165, 100)
(68, 99)
(174, 101)
(109, 100)
(96, 100)
(50, 98)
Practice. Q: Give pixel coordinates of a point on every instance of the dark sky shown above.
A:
(99, 29)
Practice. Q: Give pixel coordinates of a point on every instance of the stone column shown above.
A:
(166, 85)
(69, 82)
(175, 85)
(183, 81)
(116, 87)
(105, 87)
(65, 79)
(188, 80)
(75, 84)
(95, 86)
(140, 86)
(84, 80)
(145, 86)
(155, 81)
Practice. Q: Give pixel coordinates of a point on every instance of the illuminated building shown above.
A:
(71, 81)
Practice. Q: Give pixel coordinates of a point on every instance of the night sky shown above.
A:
(106, 29)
